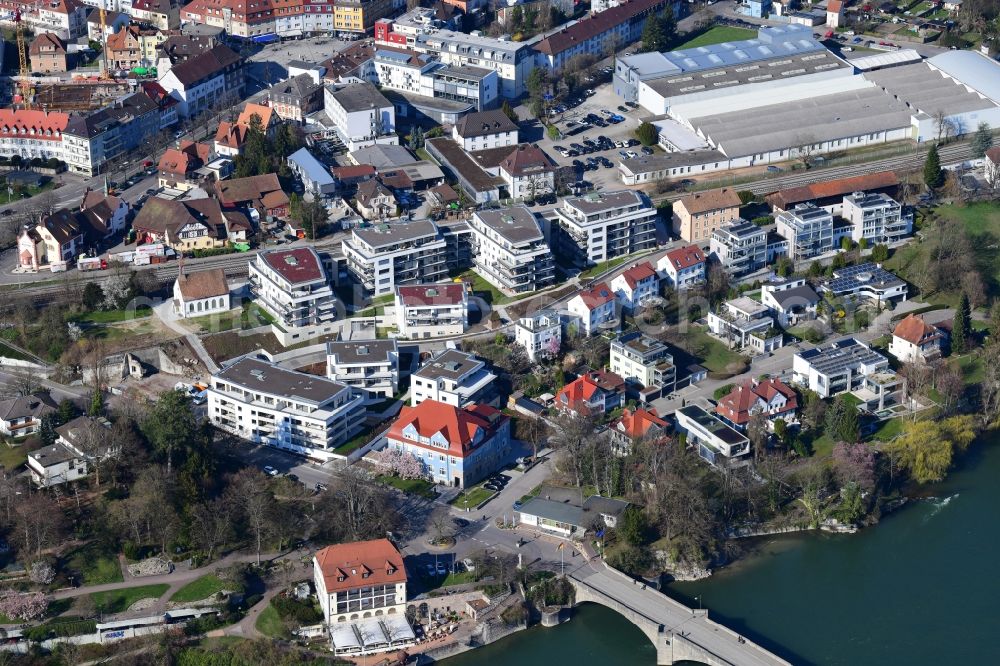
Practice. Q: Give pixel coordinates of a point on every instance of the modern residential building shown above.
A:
(808, 228)
(540, 333)
(361, 115)
(916, 341)
(745, 324)
(595, 308)
(386, 255)
(634, 425)
(455, 378)
(789, 300)
(359, 580)
(740, 247)
(266, 403)
(91, 140)
(458, 446)
(592, 393)
(646, 365)
(79, 446)
(292, 287)
(837, 368)
(22, 415)
(510, 249)
(716, 443)
(316, 179)
(431, 310)
(368, 365)
(485, 129)
(866, 281)
(48, 54)
(636, 286)
(296, 98)
(697, 216)
(600, 226)
(770, 397)
(201, 293)
(210, 78)
(682, 268)
(876, 217)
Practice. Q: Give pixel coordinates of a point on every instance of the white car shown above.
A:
(564, 153)
(270, 471)
(620, 144)
(468, 564)
(632, 154)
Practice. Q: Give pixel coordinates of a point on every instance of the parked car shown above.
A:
(442, 569)
(469, 564)
(646, 150)
(773, 169)
(517, 505)
(270, 471)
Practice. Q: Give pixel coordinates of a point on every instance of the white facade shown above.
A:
(604, 225)
(638, 358)
(745, 324)
(789, 300)
(682, 268)
(716, 443)
(267, 404)
(385, 256)
(837, 368)
(595, 309)
(878, 218)
(636, 286)
(362, 116)
(292, 287)
(740, 248)
(540, 334)
(199, 96)
(510, 250)
(431, 311)
(808, 229)
(455, 378)
(368, 365)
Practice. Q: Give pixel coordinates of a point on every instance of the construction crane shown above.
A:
(105, 73)
(22, 52)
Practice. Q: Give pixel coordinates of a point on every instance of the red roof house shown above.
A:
(592, 393)
(771, 396)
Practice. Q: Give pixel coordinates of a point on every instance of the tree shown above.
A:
(846, 243)
(509, 111)
(842, 420)
(536, 82)
(982, 140)
(781, 432)
(47, 430)
(633, 526)
(92, 295)
(67, 411)
(41, 572)
(553, 132)
(880, 253)
(653, 38)
(212, 525)
(249, 492)
(855, 463)
(932, 168)
(926, 449)
(646, 133)
(170, 425)
(27, 606)
(961, 326)
(96, 402)
(573, 431)
(38, 524)
(516, 18)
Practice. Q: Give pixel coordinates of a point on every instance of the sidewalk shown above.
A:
(165, 312)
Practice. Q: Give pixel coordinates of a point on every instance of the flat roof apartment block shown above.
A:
(603, 225)
(510, 249)
(640, 359)
(291, 286)
(740, 247)
(431, 310)
(876, 217)
(716, 443)
(369, 365)
(808, 228)
(265, 403)
(385, 255)
(837, 368)
(454, 377)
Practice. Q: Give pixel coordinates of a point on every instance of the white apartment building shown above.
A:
(455, 378)
(431, 310)
(368, 365)
(646, 365)
(484, 130)
(636, 286)
(740, 248)
(683, 267)
(362, 116)
(837, 368)
(205, 80)
(717, 444)
(789, 299)
(595, 309)
(292, 287)
(745, 324)
(386, 255)
(540, 334)
(267, 404)
(510, 249)
(876, 217)
(808, 229)
(604, 225)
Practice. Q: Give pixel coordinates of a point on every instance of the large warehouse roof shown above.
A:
(888, 59)
(814, 120)
(927, 90)
(771, 42)
(973, 69)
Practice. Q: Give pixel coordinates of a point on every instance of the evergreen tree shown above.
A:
(509, 111)
(932, 169)
(653, 39)
(96, 403)
(982, 140)
(67, 412)
(960, 326)
(93, 295)
(842, 421)
(646, 133)
(47, 430)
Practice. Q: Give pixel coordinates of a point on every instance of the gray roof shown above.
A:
(598, 202)
(450, 364)
(52, 455)
(557, 511)
(927, 90)
(73, 431)
(464, 72)
(605, 505)
(382, 156)
(35, 405)
(313, 168)
(390, 234)
(973, 69)
(275, 380)
(771, 42)
(841, 355)
(740, 230)
(360, 97)
(122, 111)
(484, 123)
(362, 351)
(517, 224)
(796, 296)
(712, 424)
(851, 278)
(665, 161)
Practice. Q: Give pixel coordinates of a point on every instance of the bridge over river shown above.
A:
(678, 632)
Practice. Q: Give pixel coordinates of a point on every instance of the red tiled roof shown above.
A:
(451, 293)
(832, 188)
(47, 39)
(737, 404)
(597, 296)
(45, 126)
(265, 113)
(462, 429)
(348, 566)
(834, 6)
(915, 330)
(593, 26)
(203, 284)
(352, 171)
(636, 274)
(299, 265)
(993, 154)
(637, 424)
(525, 158)
(585, 388)
(702, 202)
(685, 257)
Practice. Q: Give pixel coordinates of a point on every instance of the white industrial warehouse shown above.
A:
(783, 96)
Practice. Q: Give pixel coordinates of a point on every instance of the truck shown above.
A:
(91, 264)
(150, 250)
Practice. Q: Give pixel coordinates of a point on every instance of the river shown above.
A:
(922, 587)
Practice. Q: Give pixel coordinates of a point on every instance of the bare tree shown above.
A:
(39, 524)
(23, 381)
(571, 438)
(250, 492)
(212, 525)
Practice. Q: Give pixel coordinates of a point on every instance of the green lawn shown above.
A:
(472, 497)
(458, 578)
(822, 446)
(251, 316)
(198, 589)
(269, 623)
(9, 352)
(972, 369)
(604, 266)
(421, 487)
(112, 316)
(713, 353)
(118, 601)
(12, 457)
(353, 445)
(94, 566)
(481, 286)
(6, 198)
(717, 35)
(888, 430)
